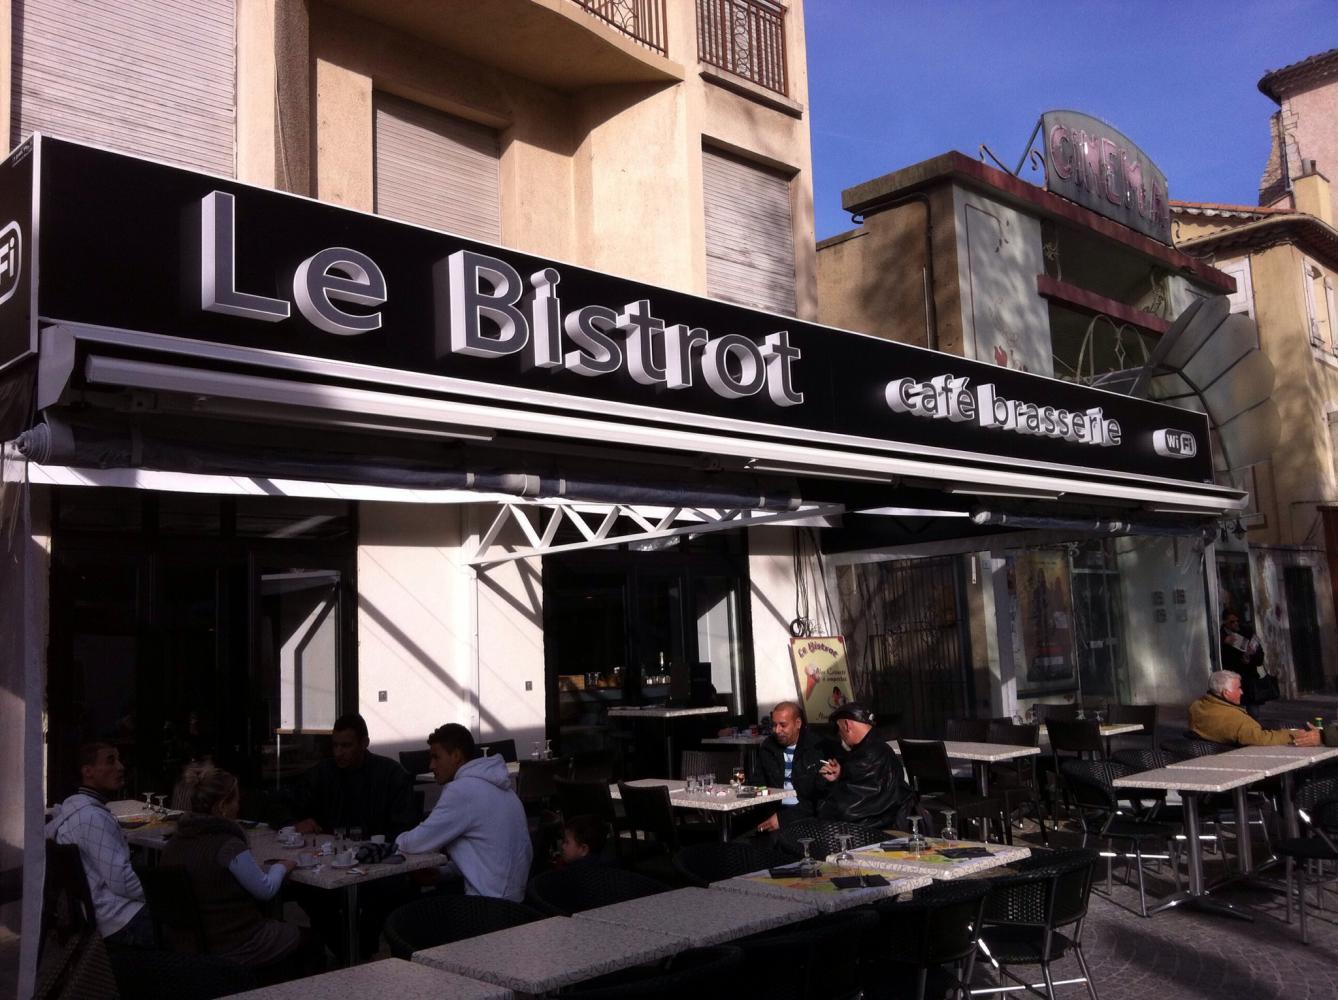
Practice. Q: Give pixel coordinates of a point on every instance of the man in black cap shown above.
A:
(868, 784)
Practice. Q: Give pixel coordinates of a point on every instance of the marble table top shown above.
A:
(935, 865)
(980, 752)
(1266, 764)
(737, 741)
(1119, 728)
(704, 917)
(1185, 779)
(630, 712)
(549, 954)
(820, 892)
(723, 799)
(393, 976)
(1311, 755)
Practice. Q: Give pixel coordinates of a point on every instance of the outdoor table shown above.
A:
(1190, 783)
(934, 865)
(265, 845)
(740, 740)
(391, 977)
(720, 804)
(821, 892)
(549, 954)
(665, 714)
(703, 917)
(1297, 757)
(981, 756)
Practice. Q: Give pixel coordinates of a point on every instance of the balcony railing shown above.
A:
(746, 38)
(642, 20)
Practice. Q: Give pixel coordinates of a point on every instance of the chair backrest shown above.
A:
(826, 835)
(1008, 733)
(967, 730)
(927, 768)
(583, 798)
(1190, 746)
(1143, 715)
(649, 811)
(695, 972)
(1047, 712)
(816, 959)
(1319, 786)
(1139, 760)
(506, 749)
(441, 919)
(712, 762)
(537, 779)
(588, 885)
(702, 864)
(1075, 736)
(938, 925)
(177, 920)
(1089, 783)
(416, 761)
(593, 765)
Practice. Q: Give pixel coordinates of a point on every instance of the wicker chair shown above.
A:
(797, 963)
(927, 768)
(587, 886)
(1018, 780)
(695, 972)
(826, 836)
(1320, 845)
(938, 926)
(1028, 916)
(713, 762)
(703, 864)
(441, 919)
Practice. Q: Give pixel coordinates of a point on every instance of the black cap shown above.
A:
(854, 711)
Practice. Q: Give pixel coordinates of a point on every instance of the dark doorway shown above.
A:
(1303, 623)
(624, 627)
(184, 625)
(909, 640)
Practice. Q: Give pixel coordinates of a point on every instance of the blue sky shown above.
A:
(893, 82)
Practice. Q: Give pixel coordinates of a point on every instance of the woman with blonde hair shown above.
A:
(228, 883)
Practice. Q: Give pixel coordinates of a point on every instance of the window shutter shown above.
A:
(153, 77)
(749, 234)
(437, 170)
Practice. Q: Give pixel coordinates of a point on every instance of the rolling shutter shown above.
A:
(437, 170)
(749, 234)
(152, 77)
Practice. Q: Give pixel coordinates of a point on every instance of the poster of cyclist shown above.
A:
(1045, 621)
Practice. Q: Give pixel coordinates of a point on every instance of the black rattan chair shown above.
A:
(713, 762)
(150, 972)
(1190, 746)
(506, 749)
(1097, 802)
(441, 919)
(1036, 917)
(697, 972)
(586, 886)
(1018, 780)
(177, 921)
(826, 836)
(703, 864)
(938, 926)
(647, 810)
(819, 959)
(536, 782)
(967, 730)
(927, 768)
(416, 762)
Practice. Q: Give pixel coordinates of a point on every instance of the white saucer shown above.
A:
(336, 864)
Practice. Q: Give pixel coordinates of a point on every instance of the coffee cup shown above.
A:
(306, 860)
(345, 859)
(378, 838)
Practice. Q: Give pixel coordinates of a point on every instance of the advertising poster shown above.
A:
(821, 674)
(1045, 615)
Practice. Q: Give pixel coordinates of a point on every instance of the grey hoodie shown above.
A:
(480, 823)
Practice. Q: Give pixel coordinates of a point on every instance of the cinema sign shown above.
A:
(1089, 162)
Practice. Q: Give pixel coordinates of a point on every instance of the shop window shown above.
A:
(1242, 299)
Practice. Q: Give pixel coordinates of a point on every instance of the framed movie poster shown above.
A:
(1045, 621)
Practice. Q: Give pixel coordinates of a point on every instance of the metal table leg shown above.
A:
(1197, 894)
(351, 903)
(1244, 849)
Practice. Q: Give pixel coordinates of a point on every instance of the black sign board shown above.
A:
(18, 223)
(137, 245)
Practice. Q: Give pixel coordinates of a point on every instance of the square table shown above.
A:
(392, 977)
(935, 865)
(549, 954)
(1190, 783)
(722, 802)
(1306, 756)
(981, 756)
(703, 917)
(820, 892)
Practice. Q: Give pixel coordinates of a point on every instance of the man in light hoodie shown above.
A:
(478, 821)
(84, 819)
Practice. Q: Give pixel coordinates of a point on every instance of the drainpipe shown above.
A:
(927, 272)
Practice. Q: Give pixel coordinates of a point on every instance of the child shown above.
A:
(583, 839)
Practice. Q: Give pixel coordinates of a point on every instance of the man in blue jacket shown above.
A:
(478, 821)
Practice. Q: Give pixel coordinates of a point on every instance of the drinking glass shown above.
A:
(1098, 716)
(548, 749)
(738, 778)
(949, 832)
(355, 834)
(341, 834)
(148, 802)
(808, 865)
(844, 856)
(916, 843)
(690, 783)
(535, 750)
(1081, 714)
(487, 751)
(161, 802)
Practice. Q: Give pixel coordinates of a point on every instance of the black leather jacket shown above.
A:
(872, 788)
(809, 787)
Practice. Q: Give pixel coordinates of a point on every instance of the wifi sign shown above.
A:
(11, 255)
(1174, 444)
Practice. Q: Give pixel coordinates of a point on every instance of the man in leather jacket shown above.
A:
(868, 784)
(790, 758)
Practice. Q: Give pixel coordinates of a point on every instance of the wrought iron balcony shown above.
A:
(643, 20)
(746, 38)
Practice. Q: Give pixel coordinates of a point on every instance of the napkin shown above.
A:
(962, 853)
(858, 881)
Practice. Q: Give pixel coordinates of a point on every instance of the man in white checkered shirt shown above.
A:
(83, 819)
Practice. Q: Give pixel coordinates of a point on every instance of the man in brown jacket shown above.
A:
(1217, 716)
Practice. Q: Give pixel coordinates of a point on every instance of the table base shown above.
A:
(1203, 901)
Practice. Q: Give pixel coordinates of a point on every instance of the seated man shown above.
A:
(1219, 717)
(356, 788)
(478, 821)
(83, 819)
(790, 758)
(868, 784)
